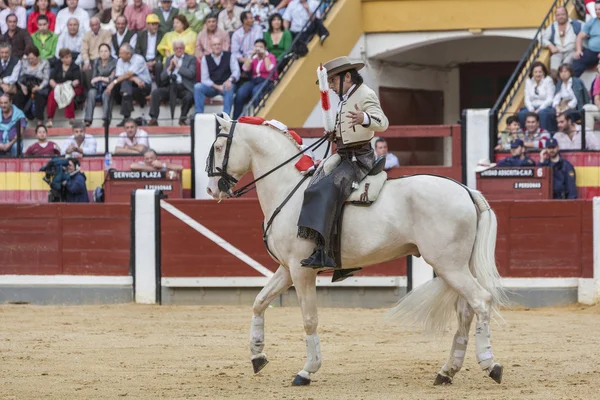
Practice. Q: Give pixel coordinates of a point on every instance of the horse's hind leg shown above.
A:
(461, 280)
(279, 282)
(455, 361)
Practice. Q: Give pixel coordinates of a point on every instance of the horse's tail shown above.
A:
(432, 304)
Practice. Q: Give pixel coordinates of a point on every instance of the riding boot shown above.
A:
(319, 259)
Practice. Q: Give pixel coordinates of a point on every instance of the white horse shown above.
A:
(449, 225)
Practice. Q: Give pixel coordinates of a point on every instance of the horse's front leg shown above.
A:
(279, 282)
(305, 282)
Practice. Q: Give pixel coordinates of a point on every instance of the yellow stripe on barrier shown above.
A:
(587, 176)
(27, 181)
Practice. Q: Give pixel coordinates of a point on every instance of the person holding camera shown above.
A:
(104, 68)
(74, 186)
(563, 173)
(260, 64)
(180, 72)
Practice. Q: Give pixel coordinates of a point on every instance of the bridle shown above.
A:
(226, 182)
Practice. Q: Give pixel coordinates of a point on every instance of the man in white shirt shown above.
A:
(298, 13)
(560, 39)
(80, 143)
(133, 140)
(10, 68)
(381, 150)
(72, 39)
(72, 11)
(123, 35)
(20, 12)
(569, 137)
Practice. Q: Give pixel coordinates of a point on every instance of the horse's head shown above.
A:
(228, 160)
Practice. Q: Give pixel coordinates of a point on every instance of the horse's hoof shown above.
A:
(259, 363)
(496, 373)
(300, 381)
(442, 380)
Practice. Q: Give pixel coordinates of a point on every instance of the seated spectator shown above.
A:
(220, 72)
(381, 150)
(539, 93)
(244, 39)
(229, 19)
(560, 39)
(12, 125)
(195, 13)
(10, 69)
(41, 7)
(72, 40)
(16, 10)
(136, 14)
(569, 135)
(43, 147)
(80, 143)
(588, 56)
(133, 140)
(123, 35)
(180, 72)
(72, 11)
(210, 31)
(75, 187)
(147, 46)
(571, 93)
(152, 163)
(18, 38)
(108, 18)
(535, 137)
(563, 173)
(90, 46)
(166, 13)
(66, 74)
(260, 63)
(33, 82)
(44, 39)
(512, 133)
(592, 111)
(297, 15)
(103, 72)
(260, 10)
(181, 31)
(278, 39)
(132, 81)
(518, 157)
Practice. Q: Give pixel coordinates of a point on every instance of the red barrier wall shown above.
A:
(70, 239)
(187, 253)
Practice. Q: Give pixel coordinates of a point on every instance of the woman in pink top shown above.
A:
(264, 71)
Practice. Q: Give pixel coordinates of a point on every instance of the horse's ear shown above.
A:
(225, 124)
(226, 117)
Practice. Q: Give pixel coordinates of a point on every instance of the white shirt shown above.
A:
(563, 43)
(176, 70)
(297, 15)
(63, 16)
(391, 161)
(88, 146)
(566, 143)
(141, 137)
(544, 96)
(21, 14)
(14, 77)
(565, 93)
(87, 4)
(151, 50)
(120, 38)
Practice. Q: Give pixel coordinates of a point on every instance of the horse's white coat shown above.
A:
(422, 215)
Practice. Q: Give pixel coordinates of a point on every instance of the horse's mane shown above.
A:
(275, 126)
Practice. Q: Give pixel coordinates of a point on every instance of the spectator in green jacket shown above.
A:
(44, 39)
(195, 12)
(278, 39)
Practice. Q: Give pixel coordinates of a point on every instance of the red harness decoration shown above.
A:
(252, 120)
(304, 163)
(296, 137)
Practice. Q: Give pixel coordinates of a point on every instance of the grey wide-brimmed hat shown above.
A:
(340, 64)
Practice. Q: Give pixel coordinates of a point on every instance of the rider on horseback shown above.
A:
(359, 115)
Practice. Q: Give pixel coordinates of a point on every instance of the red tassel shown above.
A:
(325, 100)
(304, 163)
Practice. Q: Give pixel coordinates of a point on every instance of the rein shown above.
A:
(227, 181)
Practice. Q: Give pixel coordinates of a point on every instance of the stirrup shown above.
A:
(319, 259)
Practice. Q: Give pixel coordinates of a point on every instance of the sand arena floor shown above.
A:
(149, 352)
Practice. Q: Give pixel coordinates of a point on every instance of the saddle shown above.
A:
(369, 188)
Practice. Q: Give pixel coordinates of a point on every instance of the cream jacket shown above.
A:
(366, 100)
